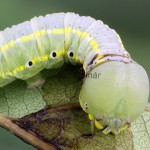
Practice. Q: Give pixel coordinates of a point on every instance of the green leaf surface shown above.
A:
(141, 132)
(17, 101)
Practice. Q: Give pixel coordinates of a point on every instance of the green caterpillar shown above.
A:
(113, 100)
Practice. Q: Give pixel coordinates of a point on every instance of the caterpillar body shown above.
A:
(50, 41)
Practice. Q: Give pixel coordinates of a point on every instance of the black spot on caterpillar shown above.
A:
(50, 41)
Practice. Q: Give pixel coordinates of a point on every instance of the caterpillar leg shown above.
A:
(95, 123)
(91, 117)
(99, 124)
(107, 130)
(35, 81)
(115, 126)
(124, 127)
(107, 126)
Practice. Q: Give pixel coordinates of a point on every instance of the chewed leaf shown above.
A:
(141, 132)
(70, 130)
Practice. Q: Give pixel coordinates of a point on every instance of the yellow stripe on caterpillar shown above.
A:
(34, 60)
(43, 32)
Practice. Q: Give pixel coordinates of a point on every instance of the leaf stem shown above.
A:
(26, 136)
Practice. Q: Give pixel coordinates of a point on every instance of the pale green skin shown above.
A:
(121, 91)
(24, 51)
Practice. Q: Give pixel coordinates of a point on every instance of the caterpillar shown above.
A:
(113, 100)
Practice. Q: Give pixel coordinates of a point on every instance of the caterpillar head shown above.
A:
(115, 93)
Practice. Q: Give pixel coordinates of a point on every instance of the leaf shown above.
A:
(70, 129)
(63, 87)
(141, 132)
(52, 117)
(17, 101)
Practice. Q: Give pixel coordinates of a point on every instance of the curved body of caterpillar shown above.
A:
(50, 41)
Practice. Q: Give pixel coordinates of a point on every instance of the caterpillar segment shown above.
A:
(113, 82)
